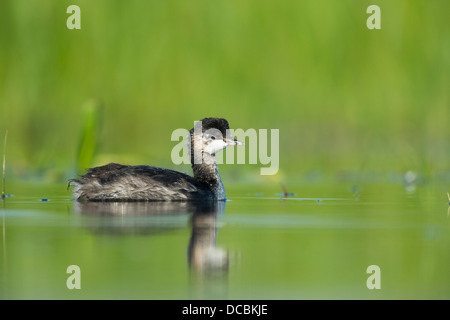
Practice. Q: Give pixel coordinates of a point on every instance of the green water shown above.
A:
(258, 246)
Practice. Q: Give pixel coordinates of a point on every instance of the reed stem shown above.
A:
(4, 165)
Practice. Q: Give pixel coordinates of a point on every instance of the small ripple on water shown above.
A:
(289, 198)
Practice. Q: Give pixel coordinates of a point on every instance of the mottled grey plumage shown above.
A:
(116, 182)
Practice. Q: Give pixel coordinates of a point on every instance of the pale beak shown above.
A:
(230, 141)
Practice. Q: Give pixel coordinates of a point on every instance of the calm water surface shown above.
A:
(317, 243)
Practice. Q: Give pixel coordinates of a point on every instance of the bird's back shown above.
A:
(116, 182)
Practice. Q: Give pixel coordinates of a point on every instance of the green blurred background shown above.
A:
(345, 98)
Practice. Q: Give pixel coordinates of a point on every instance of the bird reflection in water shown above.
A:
(208, 264)
(203, 255)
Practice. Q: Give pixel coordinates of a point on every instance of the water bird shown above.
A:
(116, 182)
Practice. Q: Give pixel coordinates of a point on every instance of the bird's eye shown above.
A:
(213, 138)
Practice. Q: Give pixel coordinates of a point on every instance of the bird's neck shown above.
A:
(206, 171)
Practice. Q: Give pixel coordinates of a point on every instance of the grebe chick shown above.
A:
(116, 182)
